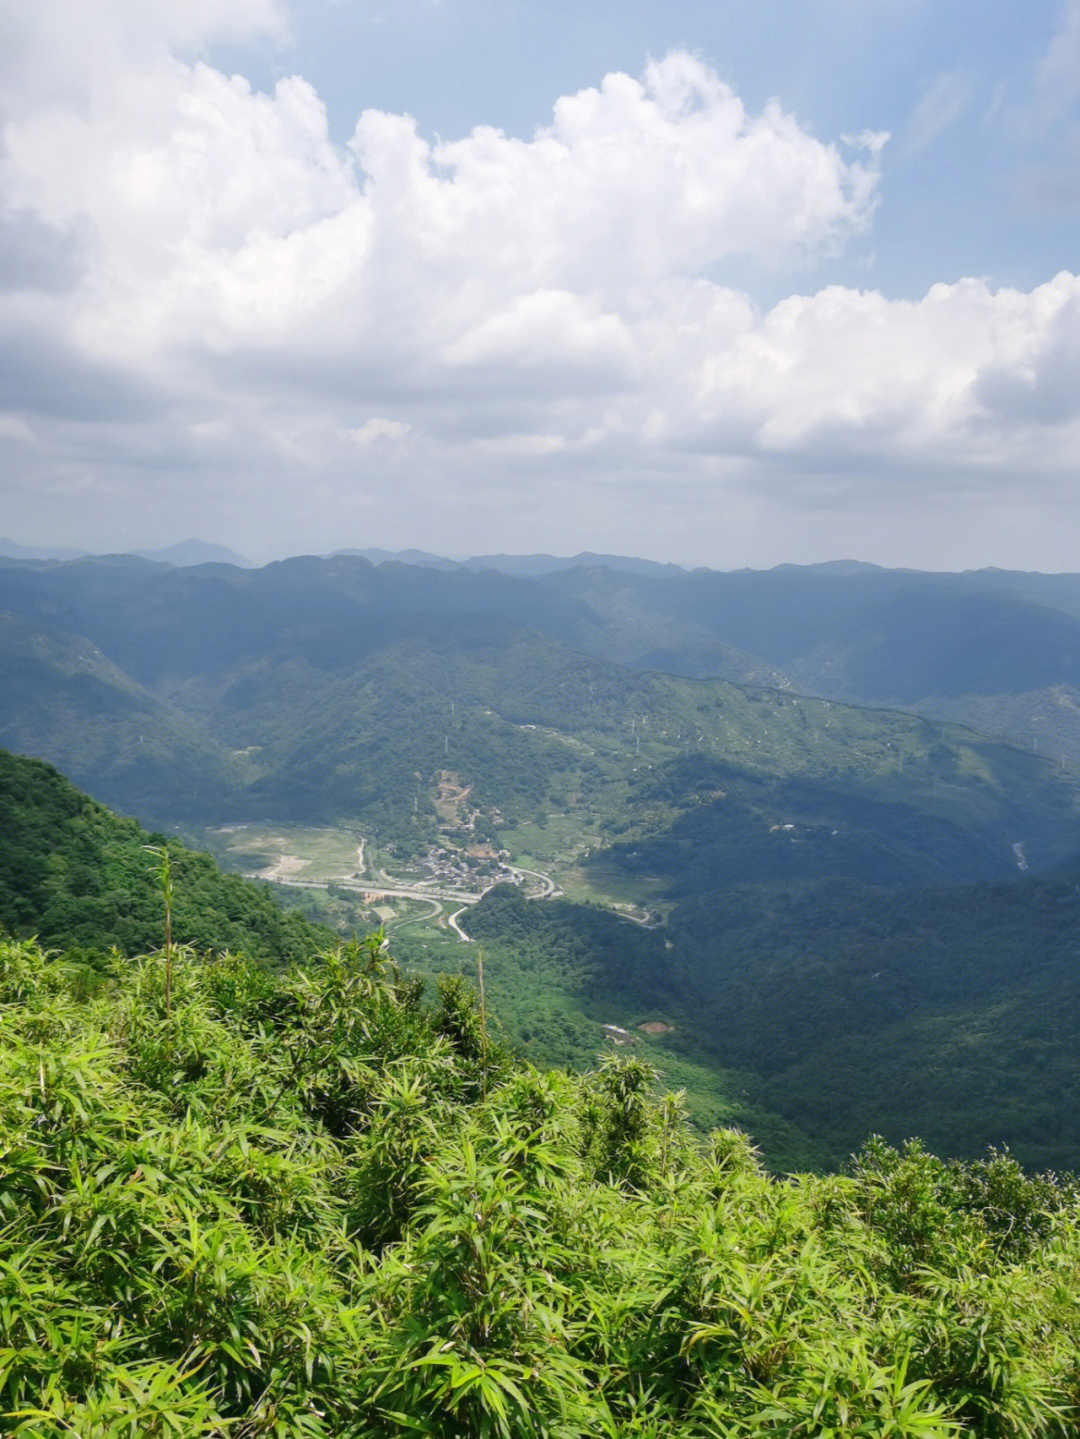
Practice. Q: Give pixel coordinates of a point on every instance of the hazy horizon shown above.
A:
(259, 561)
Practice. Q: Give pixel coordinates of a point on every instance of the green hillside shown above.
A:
(559, 976)
(864, 634)
(989, 648)
(774, 846)
(64, 700)
(302, 1205)
(319, 687)
(825, 1011)
(80, 879)
(532, 727)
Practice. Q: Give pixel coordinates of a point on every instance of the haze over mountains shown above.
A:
(997, 649)
(185, 552)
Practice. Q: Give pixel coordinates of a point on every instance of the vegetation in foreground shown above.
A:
(301, 1204)
(77, 877)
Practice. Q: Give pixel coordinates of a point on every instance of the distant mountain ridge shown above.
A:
(13, 550)
(196, 552)
(530, 566)
(330, 683)
(994, 648)
(186, 552)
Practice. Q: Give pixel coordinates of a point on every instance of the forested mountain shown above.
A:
(81, 880)
(63, 699)
(321, 688)
(996, 649)
(324, 1207)
(851, 909)
(990, 648)
(841, 1009)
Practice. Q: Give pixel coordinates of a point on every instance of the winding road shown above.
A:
(383, 886)
(452, 921)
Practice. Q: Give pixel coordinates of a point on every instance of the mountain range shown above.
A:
(997, 649)
(858, 914)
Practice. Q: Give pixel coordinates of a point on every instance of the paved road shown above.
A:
(382, 886)
(452, 921)
(548, 884)
(377, 888)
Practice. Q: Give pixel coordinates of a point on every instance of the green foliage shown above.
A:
(64, 700)
(300, 1204)
(818, 988)
(329, 689)
(77, 876)
(952, 1012)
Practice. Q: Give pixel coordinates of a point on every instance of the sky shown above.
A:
(725, 284)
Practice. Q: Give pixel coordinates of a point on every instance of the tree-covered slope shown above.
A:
(80, 878)
(532, 726)
(868, 635)
(302, 1206)
(160, 623)
(323, 689)
(989, 648)
(63, 699)
(839, 1007)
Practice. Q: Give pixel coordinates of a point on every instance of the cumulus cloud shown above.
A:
(664, 173)
(849, 373)
(71, 52)
(227, 294)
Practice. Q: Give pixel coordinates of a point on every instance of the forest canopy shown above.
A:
(255, 1182)
(79, 878)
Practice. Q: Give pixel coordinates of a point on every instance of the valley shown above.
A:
(617, 787)
(433, 890)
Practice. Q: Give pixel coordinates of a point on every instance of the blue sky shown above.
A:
(957, 86)
(719, 283)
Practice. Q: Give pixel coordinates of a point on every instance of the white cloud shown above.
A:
(551, 330)
(377, 430)
(241, 298)
(71, 52)
(631, 181)
(214, 218)
(906, 385)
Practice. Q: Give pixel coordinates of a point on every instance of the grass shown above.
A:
(328, 853)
